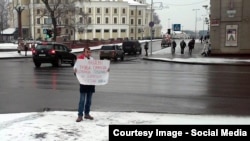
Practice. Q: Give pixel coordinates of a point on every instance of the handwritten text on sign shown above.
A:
(92, 72)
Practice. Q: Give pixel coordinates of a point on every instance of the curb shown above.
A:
(239, 63)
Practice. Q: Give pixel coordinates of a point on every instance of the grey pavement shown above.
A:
(196, 57)
(160, 55)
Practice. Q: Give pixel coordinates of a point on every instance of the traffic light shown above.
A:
(169, 31)
(49, 33)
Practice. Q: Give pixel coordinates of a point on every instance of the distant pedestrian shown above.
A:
(19, 48)
(182, 45)
(191, 44)
(26, 48)
(173, 46)
(201, 38)
(146, 48)
(205, 49)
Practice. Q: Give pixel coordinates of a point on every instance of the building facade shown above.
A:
(230, 26)
(102, 19)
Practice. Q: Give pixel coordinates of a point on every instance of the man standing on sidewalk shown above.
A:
(182, 45)
(191, 44)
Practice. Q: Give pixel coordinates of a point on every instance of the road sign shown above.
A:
(151, 24)
(177, 27)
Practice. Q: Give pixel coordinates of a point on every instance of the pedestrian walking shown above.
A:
(191, 44)
(26, 48)
(182, 45)
(205, 49)
(19, 48)
(201, 38)
(146, 48)
(86, 91)
(173, 46)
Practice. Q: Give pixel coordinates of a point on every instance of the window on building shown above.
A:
(98, 20)
(139, 22)
(139, 12)
(66, 31)
(123, 30)
(66, 21)
(98, 11)
(47, 21)
(89, 30)
(115, 11)
(38, 21)
(80, 10)
(123, 11)
(114, 30)
(106, 30)
(81, 19)
(131, 30)
(131, 12)
(107, 10)
(89, 11)
(131, 21)
(98, 30)
(89, 20)
(123, 20)
(106, 20)
(115, 20)
(38, 11)
(38, 30)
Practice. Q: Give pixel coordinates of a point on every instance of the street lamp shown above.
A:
(19, 9)
(195, 22)
(151, 26)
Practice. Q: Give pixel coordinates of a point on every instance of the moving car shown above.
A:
(111, 52)
(131, 46)
(54, 53)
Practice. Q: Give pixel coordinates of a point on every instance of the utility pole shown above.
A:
(19, 8)
(195, 22)
(151, 27)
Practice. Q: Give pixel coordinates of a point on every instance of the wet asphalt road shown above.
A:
(134, 85)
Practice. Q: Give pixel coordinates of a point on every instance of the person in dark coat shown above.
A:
(26, 48)
(86, 91)
(146, 48)
(173, 46)
(191, 44)
(182, 45)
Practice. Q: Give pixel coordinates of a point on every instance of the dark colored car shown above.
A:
(54, 53)
(131, 47)
(111, 52)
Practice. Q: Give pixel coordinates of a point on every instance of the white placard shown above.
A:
(92, 72)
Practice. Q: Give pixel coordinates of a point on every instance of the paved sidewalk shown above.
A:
(196, 57)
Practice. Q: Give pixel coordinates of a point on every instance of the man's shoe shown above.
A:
(79, 119)
(88, 117)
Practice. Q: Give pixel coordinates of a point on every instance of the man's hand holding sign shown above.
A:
(92, 72)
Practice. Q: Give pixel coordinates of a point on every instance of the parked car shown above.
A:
(111, 52)
(131, 46)
(54, 53)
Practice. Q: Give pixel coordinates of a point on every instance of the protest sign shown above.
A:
(92, 72)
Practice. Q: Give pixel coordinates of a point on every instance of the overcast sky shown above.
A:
(181, 12)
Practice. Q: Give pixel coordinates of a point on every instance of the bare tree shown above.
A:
(156, 18)
(77, 19)
(58, 11)
(4, 15)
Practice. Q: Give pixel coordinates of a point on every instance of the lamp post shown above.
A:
(19, 9)
(195, 22)
(151, 26)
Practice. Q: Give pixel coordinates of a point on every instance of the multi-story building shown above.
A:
(101, 19)
(230, 27)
